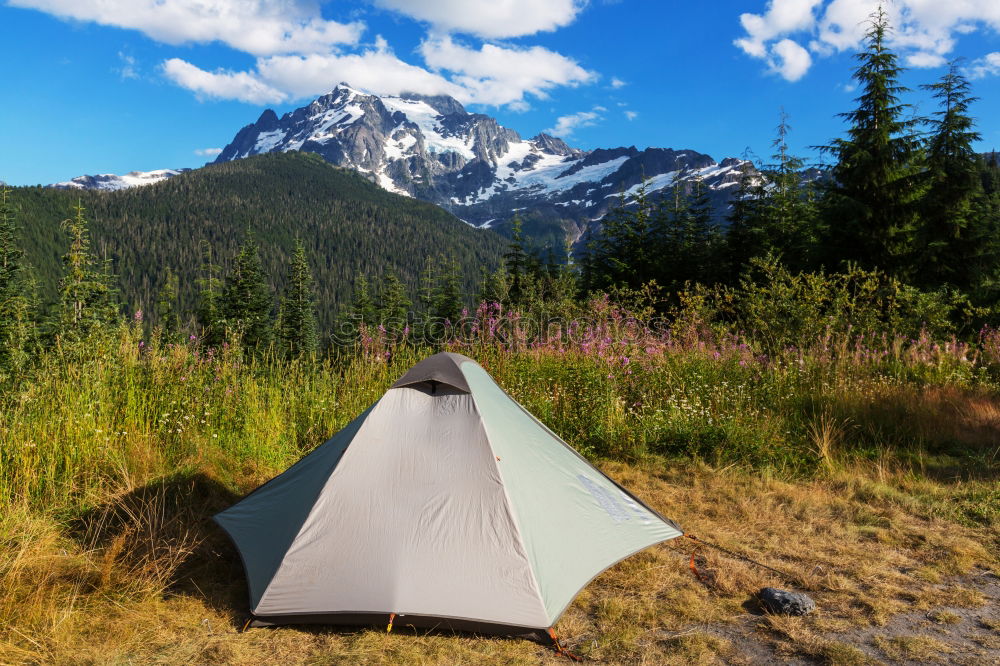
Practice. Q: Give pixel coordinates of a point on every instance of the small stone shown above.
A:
(783, 602)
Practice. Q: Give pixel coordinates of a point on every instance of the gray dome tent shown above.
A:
(445, 503)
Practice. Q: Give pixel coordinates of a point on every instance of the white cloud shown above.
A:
(489, 18)
(499, 75)
(566, 125)
(376, 70)
(988, 65)
(788, 59)
(631, 115)
(923, 59)
(617, 83)
(299, 54)
(221, 84)
(489, 75)
(923, 31)
(258, 27)
(208, 152)
(782, 17)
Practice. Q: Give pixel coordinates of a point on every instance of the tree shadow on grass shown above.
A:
(162, 537)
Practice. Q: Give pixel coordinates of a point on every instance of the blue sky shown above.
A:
(110, 86)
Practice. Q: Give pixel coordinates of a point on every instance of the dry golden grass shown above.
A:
(147, 579)
(922, 649)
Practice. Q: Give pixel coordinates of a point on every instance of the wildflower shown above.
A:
(138, 316)
(192, 337)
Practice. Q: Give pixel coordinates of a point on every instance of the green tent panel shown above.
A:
(446, 503)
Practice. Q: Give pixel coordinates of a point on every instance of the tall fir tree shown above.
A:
(394, 305)
(209, 312)
(516, 261)
(684, 238)
(87, 302)
(622, 252)
(875, 185)
(166, 305)
(449, 299)
(17, 326)
(787, 215)
(363, 311)
(298, 333)
(744, 237)
(246, 300)
(951, 238)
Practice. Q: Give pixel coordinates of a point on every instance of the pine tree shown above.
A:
(702, 238)
(428, 285)
(516, 261)
(394, 305)
(246, 299)
(166, 305)
(449, 300)
(297, 327)
(685, 239)
(86, 298)
(209, 309)
(787, 213)
(744, 235)
(17, 327)
(948, 207)
(622, 252)
(362, 311)
(875, 185)
(494, 286)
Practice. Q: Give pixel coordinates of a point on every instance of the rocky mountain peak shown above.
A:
(443, 104)
(431, 147)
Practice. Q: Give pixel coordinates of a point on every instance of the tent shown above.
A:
(446, 504)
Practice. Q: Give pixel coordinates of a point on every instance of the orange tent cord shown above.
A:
(560, 650)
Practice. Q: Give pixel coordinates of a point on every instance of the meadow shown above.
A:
(863, 467)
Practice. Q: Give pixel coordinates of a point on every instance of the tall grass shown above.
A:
(123, 410)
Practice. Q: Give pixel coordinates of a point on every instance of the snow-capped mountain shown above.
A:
(110, 182)
(431, 148)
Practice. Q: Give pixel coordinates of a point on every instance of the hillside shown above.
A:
(348, 225)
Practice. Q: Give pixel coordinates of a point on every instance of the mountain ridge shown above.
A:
(432, 148)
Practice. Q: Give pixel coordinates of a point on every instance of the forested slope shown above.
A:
(348, 225)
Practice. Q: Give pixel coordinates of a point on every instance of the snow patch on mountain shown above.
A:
(111, 182)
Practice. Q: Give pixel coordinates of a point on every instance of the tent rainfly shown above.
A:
(446, 504)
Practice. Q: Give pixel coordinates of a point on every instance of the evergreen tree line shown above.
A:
(237, 305)
(347, 224)
(907, 196)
